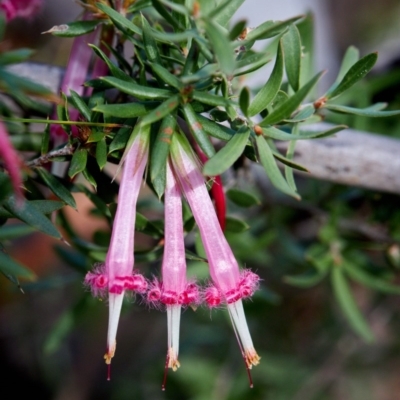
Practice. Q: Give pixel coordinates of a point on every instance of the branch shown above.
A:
(351, 157)
(46, 158)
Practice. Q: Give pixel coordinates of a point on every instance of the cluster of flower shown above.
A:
(116, 276)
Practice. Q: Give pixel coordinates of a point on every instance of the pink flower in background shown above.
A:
(11, 160)
(230, 285)
(117, 276)
(174, 291)
(20, 8)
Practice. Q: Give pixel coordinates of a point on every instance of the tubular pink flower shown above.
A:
(75, 76)
(230, 284)
(11, 160)
(174, 291)
(117, 276)
(20, 8)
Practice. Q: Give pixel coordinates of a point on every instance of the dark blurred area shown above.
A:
(53, 333)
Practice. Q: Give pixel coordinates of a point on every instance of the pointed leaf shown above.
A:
(364, 278)
(80, 105)
(267, 160)
(225, 158)
(221, 46)
(268, 92)
(101, 153)
(289, 106)
(270, 29)
(197, 130)
(348, 305)
(122, 23)
(73, 29)
(306, 280)
(29, 214)
(56, 186)
(166, 76)
(160, 151)
(150, 45)
(225, 13)
(354, 74)
(8, 266)
(235, 225)
(372, 111)
(351, 56)
(244, 100)
(138, 91)
(242, 199)
(127, 110)
(161, 111)
(292, 53)
(78, 162)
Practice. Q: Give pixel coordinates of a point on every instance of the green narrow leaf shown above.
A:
(289, 106)
(269, 29)
(14, 231)
(348, 305)
(127, 110)
(251, 63)
(119, 20)
(80, 105)
(210, 99)
(237, 29)
(224, 15)
(233, 149)
(353, 75)
(372, 111)
(306, 280)
(47, 206)
(288, 162)
(138, 91)
(268, 92)
(215, 130)
(142, 224)
(56, 186)
(121, 138)
(267, 160)
(351, 56)
(221, 46)
(115, 71)
(101, 153)
(150, 45)
(8, 266)
(73, 29)
(160, 151)
(78, 162)
(292, 54)
(197, 130)
(166, 76)
(244, 100)
(163, 11)
(165, 108)
(242, 199)
(235, 225)
(366, 279)
(289, 155)
(29, 214)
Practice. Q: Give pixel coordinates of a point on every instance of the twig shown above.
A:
(46, 158)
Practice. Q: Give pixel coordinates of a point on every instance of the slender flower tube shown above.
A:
(231, 285)
(117, 275)
(75, 76)
(174, 291)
